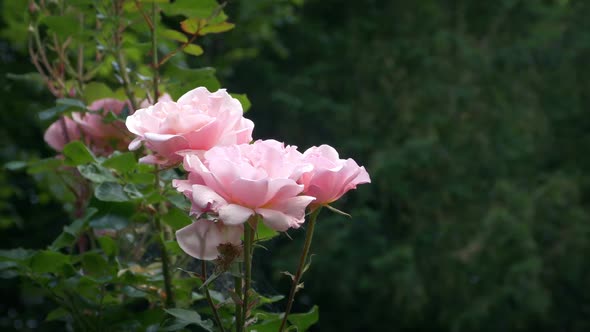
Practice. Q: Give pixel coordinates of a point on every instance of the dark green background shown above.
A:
(473, 120)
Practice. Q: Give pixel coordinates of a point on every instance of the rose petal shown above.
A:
(206, 199)
(233, 214)
(201, 238)
(250, 193)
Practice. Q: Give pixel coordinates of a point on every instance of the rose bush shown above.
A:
(120, 250)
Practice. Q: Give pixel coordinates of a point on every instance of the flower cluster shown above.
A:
(230, 180)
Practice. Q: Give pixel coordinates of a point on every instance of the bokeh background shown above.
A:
(472, 117)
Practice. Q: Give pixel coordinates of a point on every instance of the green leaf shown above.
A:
(191, 8)
(96, 173)
(216, 28)
(176, 218)
(172, 248)
(73, 103)
(78, 225)
(193, 49)
(77, 153)
(265, 233)
(16, 255)
(63, 26)
(108, 222)
(267, 325)
(44, 165)
(243, 99)
(272, 299)
(110, 192)
(49, 262)
(192, 25)
(122, 162)
(96, 266)
(108, 245)
(142, 178)
(174, 35)
(95, 91)
(71, 232)
(179, 200)
(186, 317)
(304, 321)
(53, 112)
(57, 314)
(63, 240)
(184, 79)
(15, 165)
(33, 78)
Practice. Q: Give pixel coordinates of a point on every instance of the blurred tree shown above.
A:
(472, 120)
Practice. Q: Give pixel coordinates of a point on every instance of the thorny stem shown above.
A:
(249, 232)
(155, 65)
(302, 262)
(51, 72)
(238, 287)
(161, 207)
(118, 39)
(163, 252)
(81, 60)
(209, 299)
(180, 48)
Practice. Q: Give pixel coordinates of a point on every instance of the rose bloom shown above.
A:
(198, 121)
(232, 183)
(331, 176)
(102, 138)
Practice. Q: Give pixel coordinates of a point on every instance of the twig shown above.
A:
(164, 254)
(155, 66)
(180, 48)
(121, 57)
(249, 232)
(209, 299)
(301, 267)
(238, 288)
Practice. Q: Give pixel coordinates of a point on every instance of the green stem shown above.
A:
(80, 72)
(301, 266)
(209, 299)
(163, 253)
(155, 65)
(249, 232)
(118, 40)
(238, 287)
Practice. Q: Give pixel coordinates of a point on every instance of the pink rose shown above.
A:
(233, 183)
(104, 137)
(198, 121)
(101, 137)
(61, 132)
(331, 176)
